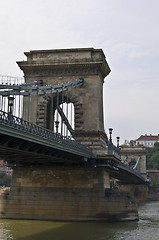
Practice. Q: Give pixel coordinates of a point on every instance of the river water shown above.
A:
(147, 228)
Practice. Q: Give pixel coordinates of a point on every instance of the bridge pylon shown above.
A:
(66, 65)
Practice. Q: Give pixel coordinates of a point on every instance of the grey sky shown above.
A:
(126, 30)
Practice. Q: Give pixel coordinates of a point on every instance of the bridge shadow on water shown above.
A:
(47, 230)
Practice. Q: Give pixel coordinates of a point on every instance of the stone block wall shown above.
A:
(132, 154)
(65, 193)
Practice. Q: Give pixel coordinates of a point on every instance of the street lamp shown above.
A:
(56, 126)
(118, 139)
(10, 104)
(110, 134)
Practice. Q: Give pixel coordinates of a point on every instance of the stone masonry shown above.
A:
(67, 65)
(130, 156)
(65, 193)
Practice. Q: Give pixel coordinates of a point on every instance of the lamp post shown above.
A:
(56, 126)
(110, 134)
(10, 104)
(118, 139)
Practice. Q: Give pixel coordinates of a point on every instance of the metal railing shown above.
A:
(31, 128)
(113, 150)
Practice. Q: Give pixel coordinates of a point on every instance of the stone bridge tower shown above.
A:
(67, 65)
(130, 156)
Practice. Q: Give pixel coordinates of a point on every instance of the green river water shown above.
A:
(147, 228)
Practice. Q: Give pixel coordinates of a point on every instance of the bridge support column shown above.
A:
(65, 193)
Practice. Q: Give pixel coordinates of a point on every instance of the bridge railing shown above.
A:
(25, 126)
(113, 150)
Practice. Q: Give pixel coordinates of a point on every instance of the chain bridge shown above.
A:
(52, 135)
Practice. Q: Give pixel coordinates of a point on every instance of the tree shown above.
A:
(153, 157)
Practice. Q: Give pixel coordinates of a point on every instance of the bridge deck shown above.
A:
(22, 142)
(20, 146)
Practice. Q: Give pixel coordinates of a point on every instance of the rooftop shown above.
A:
(148, 138)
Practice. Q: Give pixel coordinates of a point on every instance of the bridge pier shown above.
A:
(65, 193)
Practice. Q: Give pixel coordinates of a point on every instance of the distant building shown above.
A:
(147, 140)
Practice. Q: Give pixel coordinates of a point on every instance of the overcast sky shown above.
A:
(126, 30)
